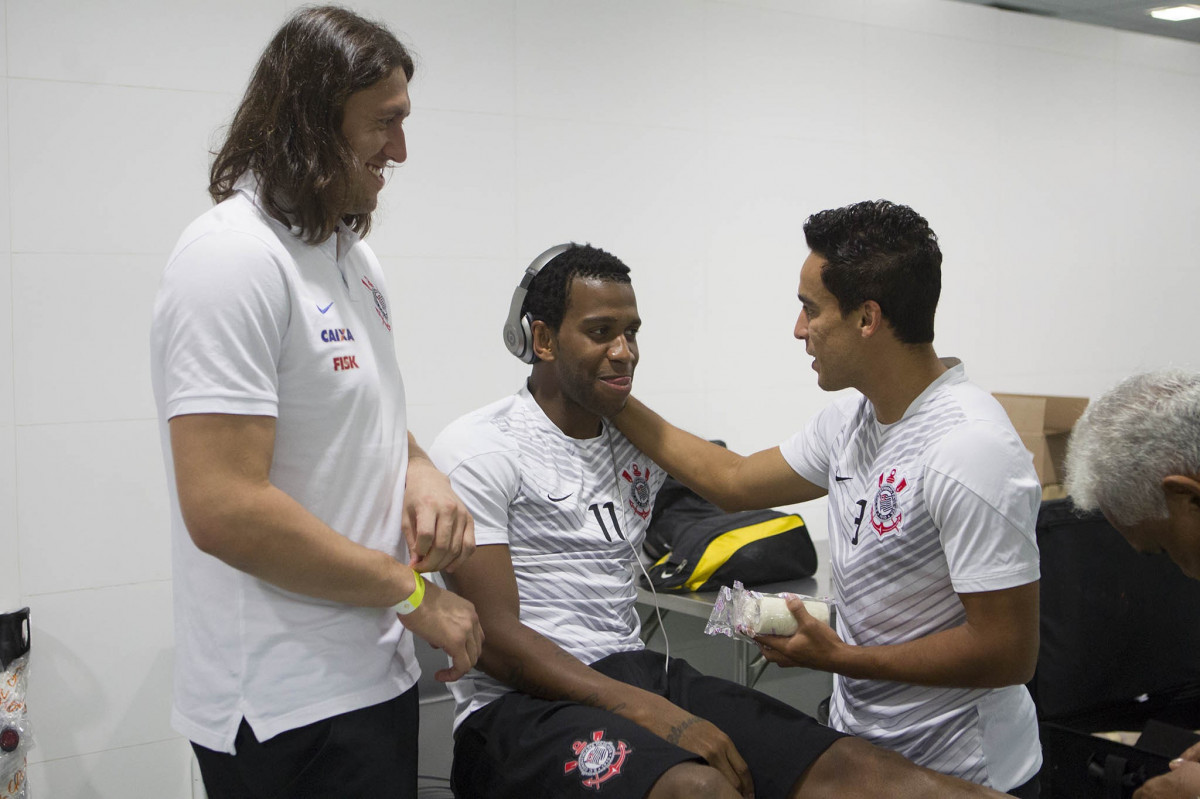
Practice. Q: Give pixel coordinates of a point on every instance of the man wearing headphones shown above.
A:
(566, 700)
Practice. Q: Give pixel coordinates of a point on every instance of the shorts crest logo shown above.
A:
(380, 303)
(639, 482)
(597, 760)
(885, 510)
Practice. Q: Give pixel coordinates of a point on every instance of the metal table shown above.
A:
(748, 662)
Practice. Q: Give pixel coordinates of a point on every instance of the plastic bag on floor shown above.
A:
(15, 738)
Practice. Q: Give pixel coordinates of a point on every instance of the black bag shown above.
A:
(1120, 650)
(699, 547)
(14, 636)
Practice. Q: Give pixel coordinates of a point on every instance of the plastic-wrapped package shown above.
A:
(739, 612)
(15, 738)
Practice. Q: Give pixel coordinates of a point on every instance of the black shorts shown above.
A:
(519, 746)
(368, 753)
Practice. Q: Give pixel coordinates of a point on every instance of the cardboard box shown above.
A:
(1044, 425)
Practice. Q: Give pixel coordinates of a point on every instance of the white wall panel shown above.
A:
(849, 10)
(185, 44)
(4, 37)
(640, 193)
(637, 191)
(622, 61)
(92, 506)
(449, 316)
(100, 670)
(940, 17)
(1055, 230)
(82, 336)
(781, 74)
(464, 50)
(913, 101)
(10, 563)
(5, 181)
(159, 770)
(126, 175)
(1158, 110)
(1050, 101)
(455, 195)
(6, 340)
(1158, 52)
(763, 188)
(1056, 35)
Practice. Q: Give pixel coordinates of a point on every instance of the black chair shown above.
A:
(1120, 648)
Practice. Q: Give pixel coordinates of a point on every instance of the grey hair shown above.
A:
(1144, 429)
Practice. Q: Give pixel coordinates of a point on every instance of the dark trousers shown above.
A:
(369, 753)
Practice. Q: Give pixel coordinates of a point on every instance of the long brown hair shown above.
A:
(287, 130)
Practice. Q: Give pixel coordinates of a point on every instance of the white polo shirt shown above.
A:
(250, 320)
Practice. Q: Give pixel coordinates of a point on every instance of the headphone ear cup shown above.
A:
(527, 337)
(512, 338)
(518, 327)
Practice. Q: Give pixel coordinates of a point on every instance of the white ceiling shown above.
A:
(1122, 14)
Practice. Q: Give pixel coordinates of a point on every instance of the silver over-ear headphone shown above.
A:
(518, 335)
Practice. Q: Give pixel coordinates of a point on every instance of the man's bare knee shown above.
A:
(692, 780)
(853, 767)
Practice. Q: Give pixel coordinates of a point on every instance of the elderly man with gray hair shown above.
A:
(1135, 456)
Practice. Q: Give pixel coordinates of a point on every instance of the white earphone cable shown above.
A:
(612, 453)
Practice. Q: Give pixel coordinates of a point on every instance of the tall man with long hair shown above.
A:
(303, 511)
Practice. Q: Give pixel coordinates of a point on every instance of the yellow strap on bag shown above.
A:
(724, 545)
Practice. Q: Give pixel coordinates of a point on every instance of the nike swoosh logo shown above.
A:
(557, 499)
(841, 479)
(326, 308)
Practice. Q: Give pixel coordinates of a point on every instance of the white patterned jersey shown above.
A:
(942, 502)
(573, 513)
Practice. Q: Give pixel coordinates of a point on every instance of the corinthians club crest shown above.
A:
(885, 510)
(597, 760)
(381, 307)
(639, 489)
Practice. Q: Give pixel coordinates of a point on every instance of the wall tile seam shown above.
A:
(28, 595)
(34, 760)
(999, 44)
(102, 84)
(83, 421)
(164, 254)
(858, 20)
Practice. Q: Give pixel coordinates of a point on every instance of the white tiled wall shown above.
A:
(89, 498)
(192, 45)
(10, 574)
(445, 199)
(81, 350)
(10, 593)
(689, 137)
(121, 174)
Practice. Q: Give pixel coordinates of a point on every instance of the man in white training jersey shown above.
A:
(567, 701)
(932, 507)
